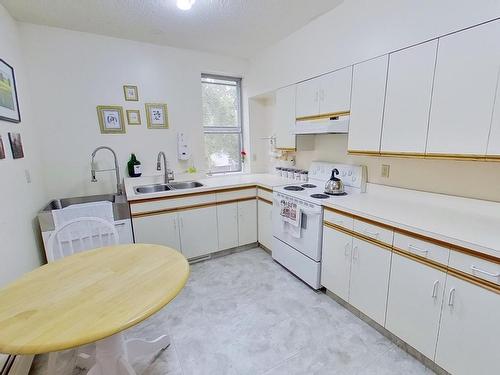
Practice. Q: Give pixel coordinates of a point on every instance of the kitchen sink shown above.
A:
(185, 185)
(148, 189)
(57, 204)
(156, 188)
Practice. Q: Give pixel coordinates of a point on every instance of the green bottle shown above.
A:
(134, 167)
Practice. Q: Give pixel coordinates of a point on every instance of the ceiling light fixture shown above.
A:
(185, 4)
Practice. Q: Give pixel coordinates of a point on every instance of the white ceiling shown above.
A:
(231, 27)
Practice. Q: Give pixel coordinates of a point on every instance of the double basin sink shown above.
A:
(156, 188)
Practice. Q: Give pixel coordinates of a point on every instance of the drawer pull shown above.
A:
(475, 269)
(371, 234)
(435, 289)
(413, 247)
(451, 297)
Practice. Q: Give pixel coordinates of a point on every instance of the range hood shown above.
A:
(337, 123)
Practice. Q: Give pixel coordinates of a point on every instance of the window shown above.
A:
(221, 99)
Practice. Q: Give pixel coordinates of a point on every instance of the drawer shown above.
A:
(236, 194)
(481, 268)
(268, 195)
(343, 221)
(172, 203)
(374, 231)
(423, 248)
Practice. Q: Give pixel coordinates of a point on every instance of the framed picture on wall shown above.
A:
(157, 116)
(133, 117)
(9, 105)
(111, 119)
(2, 149)
(131, 93)
(16, 145)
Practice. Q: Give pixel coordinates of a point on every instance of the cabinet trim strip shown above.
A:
(416, 155)
(191, 207)
(428, 262)
(264, 200)
(265, 189)
(417, 236)
(323, 116)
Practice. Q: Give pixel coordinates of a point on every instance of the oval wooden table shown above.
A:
(92, 297)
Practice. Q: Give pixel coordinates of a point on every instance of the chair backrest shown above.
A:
(81, 234)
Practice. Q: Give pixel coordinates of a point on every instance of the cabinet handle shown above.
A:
(346, 249)
(355, 253)
(451, 297)
(435, 289)
(413, 247)
(372, 234)
(175, 223)
(475, 269)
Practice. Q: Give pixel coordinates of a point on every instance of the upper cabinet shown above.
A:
(408, 99)
(465, 83)
(327, 94)
(285, 118)
(367, 105)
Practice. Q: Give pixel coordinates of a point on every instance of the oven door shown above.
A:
(311, 232)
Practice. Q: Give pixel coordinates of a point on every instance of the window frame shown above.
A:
(227, 129)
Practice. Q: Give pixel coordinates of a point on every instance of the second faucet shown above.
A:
(168, 174)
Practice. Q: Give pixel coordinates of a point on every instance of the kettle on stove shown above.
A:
(334, 186)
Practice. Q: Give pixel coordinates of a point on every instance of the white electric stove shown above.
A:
(299, 249)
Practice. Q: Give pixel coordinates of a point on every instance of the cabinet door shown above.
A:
(369, 279)
(247, 222)
(227, 224)
(285, 117)
(469, 330)
(335, 91)
(336, 262)
(264, 223)
(158, 229)
(198, 231)
(464, 91)
(494, 139)
(367, 105)
(408, 99)
(124, 229)
(414, 303)
(307, 99)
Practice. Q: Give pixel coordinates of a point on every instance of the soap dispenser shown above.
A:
(134, 167)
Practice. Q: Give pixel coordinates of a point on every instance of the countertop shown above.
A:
(88, 296)
(266, 180)
(465, 222)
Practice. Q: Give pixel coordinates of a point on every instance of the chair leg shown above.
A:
(51, 367)
(139, 347)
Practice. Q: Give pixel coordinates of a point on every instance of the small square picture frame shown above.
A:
(111, 119)
(131, 93)
(157, 115)
(134, 117)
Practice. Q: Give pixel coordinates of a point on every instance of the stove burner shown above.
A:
(293, 188)
(337, 194)
(320, 196)
(309, 186)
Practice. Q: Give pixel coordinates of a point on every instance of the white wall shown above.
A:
(19, 201)
(72, 72)
(358, 30)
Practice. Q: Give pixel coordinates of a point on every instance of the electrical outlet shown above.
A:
(385, 170)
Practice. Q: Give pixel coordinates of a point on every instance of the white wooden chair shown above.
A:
(85, 233)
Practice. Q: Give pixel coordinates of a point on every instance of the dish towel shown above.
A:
(291, 217)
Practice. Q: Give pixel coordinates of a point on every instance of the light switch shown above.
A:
(385, 170)
(28, 176)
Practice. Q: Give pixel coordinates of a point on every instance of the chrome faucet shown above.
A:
(168, 174)
(93, 171)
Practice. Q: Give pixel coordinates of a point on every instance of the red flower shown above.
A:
(243, 153)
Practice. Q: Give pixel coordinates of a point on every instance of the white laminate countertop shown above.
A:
(266, 180)
(465, 222)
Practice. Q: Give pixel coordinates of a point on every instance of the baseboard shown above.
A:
(222, 253)
(427, 362)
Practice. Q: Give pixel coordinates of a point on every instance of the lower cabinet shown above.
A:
(198, 231)
(264, 223)
(369, 279)
(227, 224)
(469, 330)
(161, 229)
(414, 303)
(336, 262)
(247, 222)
